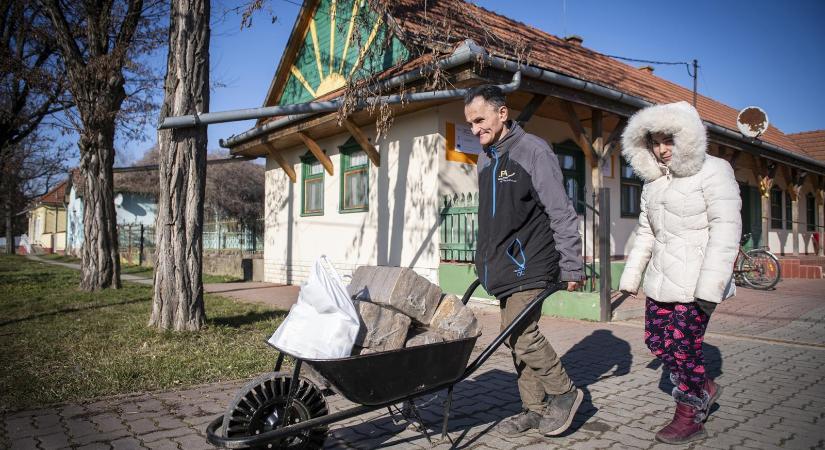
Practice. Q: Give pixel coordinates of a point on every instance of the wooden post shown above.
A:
(279, 158)
(362, 140)
(765, 173)
(316, 151)
(606, 313)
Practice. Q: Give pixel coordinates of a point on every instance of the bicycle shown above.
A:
(757, 268)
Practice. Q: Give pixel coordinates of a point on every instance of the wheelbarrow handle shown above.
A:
(535, 303)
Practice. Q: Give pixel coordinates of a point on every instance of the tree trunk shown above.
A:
(100, 261)
(9, 232)
(178, 298)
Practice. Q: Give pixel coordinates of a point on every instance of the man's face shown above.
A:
(486, 120)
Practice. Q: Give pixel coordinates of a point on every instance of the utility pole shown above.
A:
(695, 79)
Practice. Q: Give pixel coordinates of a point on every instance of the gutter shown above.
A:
(467, 52)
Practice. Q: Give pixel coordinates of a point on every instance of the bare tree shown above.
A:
(96, 53)
(178, 299)
(31, 88)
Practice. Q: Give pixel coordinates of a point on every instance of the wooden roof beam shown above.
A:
(279, 158)
(362, 140)
(316, 151)
(531, 108)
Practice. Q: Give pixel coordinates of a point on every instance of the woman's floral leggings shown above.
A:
(674, 333)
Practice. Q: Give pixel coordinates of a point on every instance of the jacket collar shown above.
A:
(514, 134)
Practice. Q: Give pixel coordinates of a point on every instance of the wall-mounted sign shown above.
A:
(462, 145)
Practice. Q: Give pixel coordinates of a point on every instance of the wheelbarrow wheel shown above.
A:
(260, 406)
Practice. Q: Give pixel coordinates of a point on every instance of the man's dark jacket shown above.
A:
(528, 231)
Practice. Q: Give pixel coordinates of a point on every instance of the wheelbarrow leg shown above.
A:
(279, 362)
(447, 405)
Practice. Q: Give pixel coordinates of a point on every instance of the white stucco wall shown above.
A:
(399, 229)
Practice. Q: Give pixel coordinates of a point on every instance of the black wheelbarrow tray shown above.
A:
(258, 416)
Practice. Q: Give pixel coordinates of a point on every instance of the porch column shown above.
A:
(820, 213)
(596, 149)
(765, 173)
(797, 178)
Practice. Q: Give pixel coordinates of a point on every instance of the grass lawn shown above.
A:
(141, 271)
(60, 344)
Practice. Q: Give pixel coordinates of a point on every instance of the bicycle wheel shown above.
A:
(760, 269)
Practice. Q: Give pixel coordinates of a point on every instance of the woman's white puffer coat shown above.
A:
(689, 225)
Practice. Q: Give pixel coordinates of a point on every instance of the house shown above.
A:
(135, 206)
(47, 221)
(340, 190)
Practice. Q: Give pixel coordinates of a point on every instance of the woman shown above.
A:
(686, 243)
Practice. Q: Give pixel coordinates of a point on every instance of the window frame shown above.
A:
(810, 212)
(569, 148)
(347, 150)
(306, 161)
(788, 211)
(627, 182)
(777, 223)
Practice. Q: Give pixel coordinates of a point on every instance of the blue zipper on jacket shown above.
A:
(495, 171)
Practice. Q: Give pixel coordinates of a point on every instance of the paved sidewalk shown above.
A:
(774, 395)
(766, 349)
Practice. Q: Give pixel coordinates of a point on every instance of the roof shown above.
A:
(414, 22)
(504, 36)
(55, 196)
(812, 142)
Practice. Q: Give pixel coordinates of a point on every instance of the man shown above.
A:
(528, 237)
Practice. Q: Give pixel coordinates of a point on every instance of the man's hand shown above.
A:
(572, 285)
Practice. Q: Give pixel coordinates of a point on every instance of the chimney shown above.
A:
(574, 39)
(648, 69)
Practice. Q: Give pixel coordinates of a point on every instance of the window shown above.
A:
(571, 162)
(810, 210)
(631, 188)
(355, 176)
(788, 212)
(776, 209)
(312, 192)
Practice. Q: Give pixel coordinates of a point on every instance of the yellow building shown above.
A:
(47, 221)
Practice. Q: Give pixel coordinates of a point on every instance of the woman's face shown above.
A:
(662, 146)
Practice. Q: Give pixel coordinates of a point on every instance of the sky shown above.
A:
(762, 53)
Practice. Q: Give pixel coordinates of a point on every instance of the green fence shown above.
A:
(459, 227)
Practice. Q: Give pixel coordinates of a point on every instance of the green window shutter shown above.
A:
(355, 178)
(571, 162)
(312, 186)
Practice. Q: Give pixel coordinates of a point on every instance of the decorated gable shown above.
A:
(344, 38)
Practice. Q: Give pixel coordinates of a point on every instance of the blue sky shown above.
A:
(764, 53)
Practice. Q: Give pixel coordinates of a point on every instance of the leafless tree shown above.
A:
(99, 43)
(178, 298)
(32, 87)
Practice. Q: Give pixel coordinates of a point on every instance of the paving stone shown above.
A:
(107, 422)
(142, 426)
(101, 437)
(94, 446)
(27, 443)
(126, 444)
(53, 441)
(193, 442)
(162, 444)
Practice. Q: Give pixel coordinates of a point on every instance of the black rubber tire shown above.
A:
(257, 401)
(761, 271)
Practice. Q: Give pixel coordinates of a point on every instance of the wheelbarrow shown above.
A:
(258, 417)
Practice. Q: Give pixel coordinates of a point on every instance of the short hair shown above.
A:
(491, 94)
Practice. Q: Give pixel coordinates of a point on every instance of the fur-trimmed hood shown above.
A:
(682, 121)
